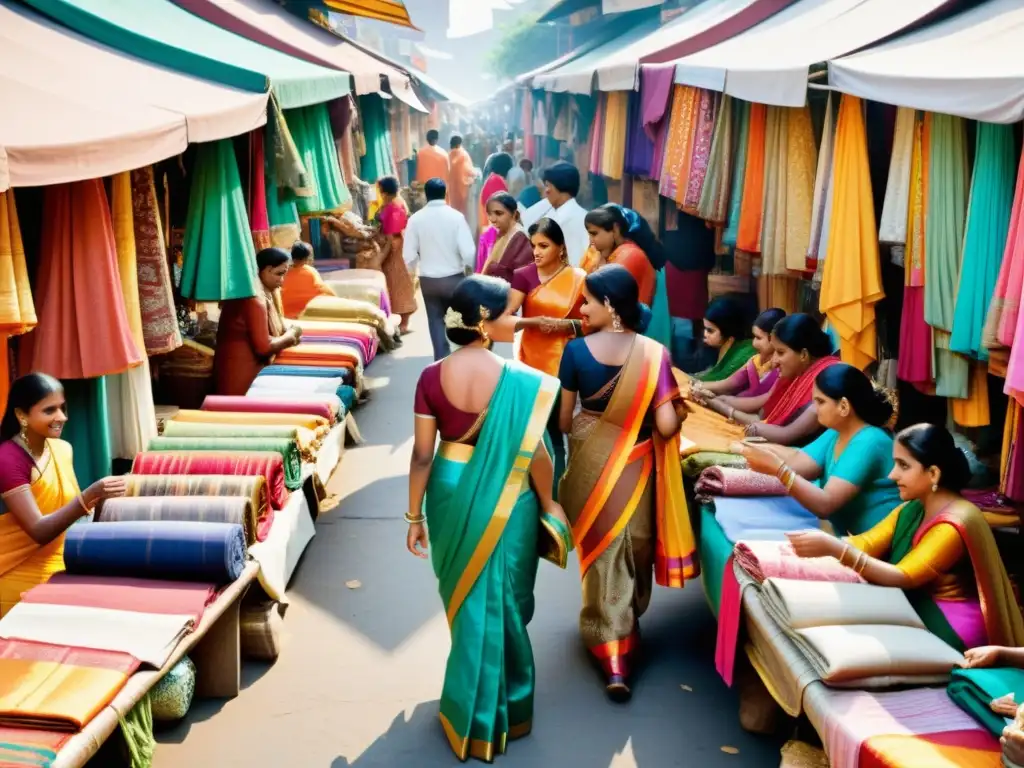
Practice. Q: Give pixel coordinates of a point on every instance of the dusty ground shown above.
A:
(360, 675)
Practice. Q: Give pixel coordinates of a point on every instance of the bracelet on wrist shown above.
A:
(83, 504)
(415, 520)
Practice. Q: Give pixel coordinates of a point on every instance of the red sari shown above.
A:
(790, 397)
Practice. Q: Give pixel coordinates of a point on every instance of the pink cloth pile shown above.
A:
(725, 481)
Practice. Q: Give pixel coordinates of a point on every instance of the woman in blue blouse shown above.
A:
(843, 476)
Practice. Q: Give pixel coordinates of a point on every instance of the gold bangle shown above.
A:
(790, 480)
(81, 501)
(415, 520)
(843, 554)
(861, 564)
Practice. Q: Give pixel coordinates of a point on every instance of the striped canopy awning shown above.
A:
(391, 11)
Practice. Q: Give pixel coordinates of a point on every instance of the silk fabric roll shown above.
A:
(237, 510)
(287, 449)
(270, 466)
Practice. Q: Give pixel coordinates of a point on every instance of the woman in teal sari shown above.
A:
(489, 512)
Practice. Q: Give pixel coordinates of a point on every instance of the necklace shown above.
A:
(28, 448)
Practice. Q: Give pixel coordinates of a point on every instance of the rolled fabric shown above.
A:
(269, 466)
(253, 488)
(307, 371)
(326, 407)
(776, 559)
(307, 440)
(334, 308)
(318, 424)
(306, 385)
(287, 448)
(317, 352)
(357, 291)
(726, 481)
(237, 510)
(183, 551)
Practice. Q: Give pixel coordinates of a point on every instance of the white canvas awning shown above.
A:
(770, 62)
(710, 22)
(971, 65)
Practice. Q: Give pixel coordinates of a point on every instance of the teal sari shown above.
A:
(484, 522)
(660, 328)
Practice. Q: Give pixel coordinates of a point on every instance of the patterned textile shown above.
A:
(688, 196)
(259, 221)
(675, 172)
(237, 510)
(17, 311)
(892, 227)
(30, 747)
(775, 559)
(695, 463)
(324, 407)
(163, 549)
(714, 196)
(172, 696)
(285, 447)
(270, 466)
(721, 481)
(260, 626)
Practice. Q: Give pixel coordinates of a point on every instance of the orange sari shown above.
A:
(631, 256)
(561, 298)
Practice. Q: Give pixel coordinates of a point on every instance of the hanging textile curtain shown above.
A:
(597, 135)
(713, 205)
(160, 328)
(1011, 465)
(17, 310)
(852, 283)
(892, 228)
(944, 239)
(311, 129)
(741, 130)
(688, 196)
(378, 160)
(83, 329)
(218, 257)
(915, 357)
(656, 91)
(639, 145)
(613, 145)
(751, 210)
(1001, 323)
(259, 219)
(773, 210)
(799, 175)
(130, 394)
(287, 178)
(88, 428)
(675, 172)
(821, 205)
(988, 222)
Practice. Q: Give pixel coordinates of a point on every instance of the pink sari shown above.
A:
(494, 183)
(487, 241)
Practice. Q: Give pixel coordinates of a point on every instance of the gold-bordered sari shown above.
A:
(560, 298)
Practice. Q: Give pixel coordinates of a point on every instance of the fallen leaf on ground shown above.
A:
(730, 750)
(354, 584)
(686, 688)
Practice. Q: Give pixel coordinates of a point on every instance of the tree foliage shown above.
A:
(521, 46)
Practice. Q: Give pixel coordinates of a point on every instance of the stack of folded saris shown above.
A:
(976, 690)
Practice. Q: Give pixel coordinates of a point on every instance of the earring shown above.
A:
(616, 323)
(24, 428)
(935, 487)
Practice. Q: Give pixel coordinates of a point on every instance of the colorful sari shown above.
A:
(560, 298)
(946, 604)
(790, 397)
(624, 496)
(757, 377)
(24, 563)
(394, 217)
(733, 356)
(491, 186)
(507, 253)
(483, 519)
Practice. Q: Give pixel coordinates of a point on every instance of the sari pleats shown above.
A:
(852, 283)
(945, 223)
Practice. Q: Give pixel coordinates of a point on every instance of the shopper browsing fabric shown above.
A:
(506, 246)
(622, 236)
(936, 546)
(393, 218)
(843, 476)
(757, 375)
(623, 490)
(561, 185)
(786, 415)
(303, 283)
(39, 494)
(490, 415)
(726, 329)
(251, 331)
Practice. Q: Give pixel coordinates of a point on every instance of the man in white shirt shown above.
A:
(561, 185)
(438, 239)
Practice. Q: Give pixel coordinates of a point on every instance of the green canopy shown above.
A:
(163, 33)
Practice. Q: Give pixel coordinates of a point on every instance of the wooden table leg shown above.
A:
(218, 657)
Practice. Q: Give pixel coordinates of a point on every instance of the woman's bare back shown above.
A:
(469, 378)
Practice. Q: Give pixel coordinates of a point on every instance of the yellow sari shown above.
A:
(561, 298)
(24, 563)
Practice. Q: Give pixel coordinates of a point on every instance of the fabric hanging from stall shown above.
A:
(675, 171)
(17, 309)
(1011, 465)
(852, 283)
(800, 176)
(915, 357)
(314, 140)
(613, 144)
(892, 228)
(597, 136)
(88, 428)
(944, 237)
(656, 90)
(639, 145)
(1001, 323)
(713, 205)
(688, 196)
(156, 294)
(259, 220)
(974, 410)
(130, 394)
(821, 207)
(378, 161)
(218, 257)
(83, 330)
(741, 130)
(287, 179)
(988, 224)
(773, 208)
(751, 209)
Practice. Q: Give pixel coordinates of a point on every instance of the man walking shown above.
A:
(438, 239)
(432, 161)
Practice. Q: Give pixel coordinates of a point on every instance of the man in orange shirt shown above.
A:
(303, 283)
(432, 161)
(462, 176)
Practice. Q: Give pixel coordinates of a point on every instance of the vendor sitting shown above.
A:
(302, 283)
(252, 331)
(39, 495)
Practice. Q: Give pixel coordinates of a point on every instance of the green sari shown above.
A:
(734, 355)
(484, 521)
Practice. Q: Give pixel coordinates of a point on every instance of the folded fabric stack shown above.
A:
(975, 690)
(333, 309)
(707, 431)
(727, 481)
(356, 343)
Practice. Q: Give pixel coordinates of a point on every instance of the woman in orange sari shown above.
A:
(623, 489)
(39, 495)
(786, 415)
(550, 294)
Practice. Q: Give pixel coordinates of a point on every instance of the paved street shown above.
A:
(360, 675)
